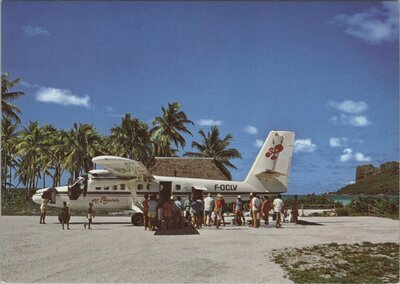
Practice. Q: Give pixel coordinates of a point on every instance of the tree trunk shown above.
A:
(10, 175)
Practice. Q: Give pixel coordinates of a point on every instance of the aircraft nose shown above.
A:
(37, 198)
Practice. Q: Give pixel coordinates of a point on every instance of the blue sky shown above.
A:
(328, 71)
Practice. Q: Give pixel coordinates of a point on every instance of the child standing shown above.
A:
(89, 216)
(65, 215)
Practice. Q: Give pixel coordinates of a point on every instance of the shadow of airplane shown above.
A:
(177, 232)
(307, 223)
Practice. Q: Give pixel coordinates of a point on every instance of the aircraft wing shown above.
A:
(124, 168)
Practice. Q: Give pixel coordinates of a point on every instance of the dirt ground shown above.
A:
(115, 251)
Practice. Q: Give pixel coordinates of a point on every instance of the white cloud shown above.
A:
(35, 31)
(209, 122)
(351, 113)
(361, 158)
(62, 97)
(349, 106)
(251, 129)
(258, 143)
(349, 156)
(304, 145)
(374, 25)
(354, 120)
(336, 142)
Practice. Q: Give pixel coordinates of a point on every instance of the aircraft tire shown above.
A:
(137, 219)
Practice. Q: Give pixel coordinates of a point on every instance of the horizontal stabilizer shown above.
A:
(269, 173)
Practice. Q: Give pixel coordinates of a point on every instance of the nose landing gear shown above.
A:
(137, 219)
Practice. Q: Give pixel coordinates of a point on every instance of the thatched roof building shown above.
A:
(187, 167)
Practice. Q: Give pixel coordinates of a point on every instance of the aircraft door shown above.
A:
(165, 190)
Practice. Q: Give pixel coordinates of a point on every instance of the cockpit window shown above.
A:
(123, 186)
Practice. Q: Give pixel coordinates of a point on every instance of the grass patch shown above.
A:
(346, 263)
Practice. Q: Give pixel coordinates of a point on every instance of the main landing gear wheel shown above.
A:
(137, 219)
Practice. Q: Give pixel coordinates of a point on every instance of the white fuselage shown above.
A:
(121, 194)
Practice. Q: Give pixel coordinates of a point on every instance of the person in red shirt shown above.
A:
(168, 206)
(265, 209)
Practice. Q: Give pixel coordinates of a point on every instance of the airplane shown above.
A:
(123, 182)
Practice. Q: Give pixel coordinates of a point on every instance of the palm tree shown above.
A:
(9, 109)
(167, 129)
(214, 147)
(58, 151)
(9, 139)
(83, 143)
(132, 140)
(32, 146)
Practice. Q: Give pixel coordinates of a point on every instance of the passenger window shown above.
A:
(122, 187)
(106, 188)
(148, 187)
(115, 187)
(98, 188)
(140, 186)
(178, 187)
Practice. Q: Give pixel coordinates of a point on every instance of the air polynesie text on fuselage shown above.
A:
(225, 187)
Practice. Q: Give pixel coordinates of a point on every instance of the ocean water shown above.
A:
(344, 199)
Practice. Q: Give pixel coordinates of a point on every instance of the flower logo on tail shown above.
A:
(273, 151)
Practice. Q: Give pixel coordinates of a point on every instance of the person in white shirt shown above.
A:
(256, 206)
(278, 206)
(208, 208)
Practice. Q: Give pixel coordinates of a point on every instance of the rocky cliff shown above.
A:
(375, 180)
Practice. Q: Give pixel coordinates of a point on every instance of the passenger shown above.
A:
(89, 216)
(43, 208)
(65, 215)
(187, 207)
(265, 209)
(238, 211)
(295, 210)
(251, 209)
(278, 207)
(223, 211)
(145, 204)
(284, 214)
(152, 213)
(218, 210)
(197, 212)
(160, 216)
(256, 208)
(208, 208)
(177, 212)
(168, 207)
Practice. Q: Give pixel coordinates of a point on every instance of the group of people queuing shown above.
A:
(260, 209)
(174, 213)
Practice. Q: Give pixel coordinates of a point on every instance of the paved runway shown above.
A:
(115, 251)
